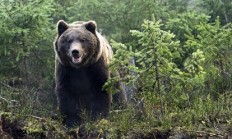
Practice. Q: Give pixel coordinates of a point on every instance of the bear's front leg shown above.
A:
(100, 105)
(69, 109)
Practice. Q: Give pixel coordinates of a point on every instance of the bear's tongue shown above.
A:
(76, 59)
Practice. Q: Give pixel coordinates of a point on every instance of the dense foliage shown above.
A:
(173, 56)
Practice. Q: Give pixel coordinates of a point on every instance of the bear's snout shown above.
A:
(75, 53)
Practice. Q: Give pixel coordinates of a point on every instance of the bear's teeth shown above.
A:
(76, 60)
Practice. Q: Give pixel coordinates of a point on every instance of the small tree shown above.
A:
(25, 39)
(157, 77)
(26, 54)
(214, 41)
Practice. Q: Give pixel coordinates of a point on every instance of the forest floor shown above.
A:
(30, 127)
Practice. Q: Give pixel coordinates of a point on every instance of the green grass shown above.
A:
(201, 115)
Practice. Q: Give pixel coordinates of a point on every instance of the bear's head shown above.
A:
(77, 44)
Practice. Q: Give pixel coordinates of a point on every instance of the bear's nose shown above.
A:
(75, 53)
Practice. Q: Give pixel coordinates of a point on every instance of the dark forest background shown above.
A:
(174, 58)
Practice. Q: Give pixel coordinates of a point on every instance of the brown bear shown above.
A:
(82, 58)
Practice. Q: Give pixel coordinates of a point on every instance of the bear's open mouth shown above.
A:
(76, 59)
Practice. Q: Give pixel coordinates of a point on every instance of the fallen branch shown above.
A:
(36, 117)
(4, 99)
(8, 86)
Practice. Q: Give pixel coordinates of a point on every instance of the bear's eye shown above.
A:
(70, 40)
(82, 40)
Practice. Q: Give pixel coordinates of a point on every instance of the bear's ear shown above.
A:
(61, 27)
(91, 26)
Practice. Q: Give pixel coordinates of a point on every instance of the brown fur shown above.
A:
(80, 76)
